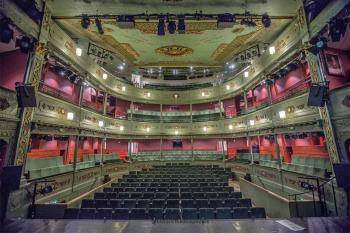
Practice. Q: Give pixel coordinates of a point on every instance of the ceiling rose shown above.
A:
(174, 50)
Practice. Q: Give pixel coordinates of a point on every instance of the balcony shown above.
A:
(74, 99)
(95, 106)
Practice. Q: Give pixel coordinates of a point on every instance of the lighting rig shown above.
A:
(31, 9)
(176, 22)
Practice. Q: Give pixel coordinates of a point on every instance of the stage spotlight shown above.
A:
(171, 27)
(226, 20)
(25, 44)
(181, 27)
(6, 33)
(99, 26)
(318, 45)
(293, 66)
(85, 22)
(47, 189)
(336, 29)
(161, 27)
(284, 71)
(266, 21)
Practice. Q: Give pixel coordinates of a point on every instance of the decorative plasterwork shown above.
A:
(175, 64)
(174, 50)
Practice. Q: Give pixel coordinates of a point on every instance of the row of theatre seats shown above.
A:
(310, 165)
(49, 166)
(173, 191)
(176, 155)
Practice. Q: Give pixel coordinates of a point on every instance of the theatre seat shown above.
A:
(71, 213)
(155, 213)
(257, 212)
(121, 214)
(223, 213)
(86, 213)
(138, 213)
(189, 213)
(103, 214)
(207, 213)
(171, 213)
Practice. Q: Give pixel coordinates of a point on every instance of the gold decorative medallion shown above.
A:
(174, 50)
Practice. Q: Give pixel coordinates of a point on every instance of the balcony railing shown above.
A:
(93, 105)
(58, 93)
(297, 88)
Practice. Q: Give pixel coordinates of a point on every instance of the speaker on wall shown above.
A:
(25, 96)
(342, 174)
(317, 95)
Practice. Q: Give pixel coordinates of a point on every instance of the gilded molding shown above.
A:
(196, 27)
(174, 50)
(324, 112)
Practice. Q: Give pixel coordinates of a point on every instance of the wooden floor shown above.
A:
(310, 225)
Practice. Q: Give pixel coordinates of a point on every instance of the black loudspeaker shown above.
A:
(317, 96)
(11, 177)
(342, 174)
(26, 96)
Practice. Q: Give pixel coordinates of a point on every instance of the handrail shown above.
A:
(309, 191)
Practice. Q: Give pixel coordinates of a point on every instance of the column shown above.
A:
(250, 150)
(161, 112)
(192, 147)
(129, 149)
(33, 76)
(245, 100)
(161, 148)
(268, 87)
(191, 113)
(131, 109)
(278, 155)
(328, 129)
(105, 103)
(220, 106)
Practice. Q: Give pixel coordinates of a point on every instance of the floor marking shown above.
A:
(290, 225)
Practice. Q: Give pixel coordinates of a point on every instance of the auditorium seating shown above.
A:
(311, 165)
(174, 155)
(49, 166)
(173, 191)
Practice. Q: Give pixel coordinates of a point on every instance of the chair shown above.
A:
(100, 195)
(199, 195)
(202, 203)
(188, 203)
(211, 195)
(158, 203)
(172, 213)
(148, 195)
(86, 213)
(103, 214)
(186, 195)
(101, 203)
(138, 213)
(240, 213)
(172, 203)
(143, 203)
(88, 203)
(257, 212)
(110, 196)
(129, 203)
(223, 213)
(121, 214)
(160, 195)
(173, 196)
(206, 213)
(244, 202)
(123, 195)
(236, 195)
(155, 213)
(230, 203)
(71, 213)
(216, 203)
(135, 195)
(189, 213)
(116, 204)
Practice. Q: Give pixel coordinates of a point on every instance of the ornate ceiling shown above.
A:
(204, 45)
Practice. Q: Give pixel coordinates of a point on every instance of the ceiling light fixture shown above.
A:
(205, 129)
(246, 74)
(266, 21)
(272, 50)
(70, 116)
(101, 123)
(282, 114)
(228, 87)
(121, 128)
(123, 88)
(104, 76)
(147, 129)
(148, 94)
(25, 44)
(230, 127)
(78, 51)
(203, 94)
(252, 122)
